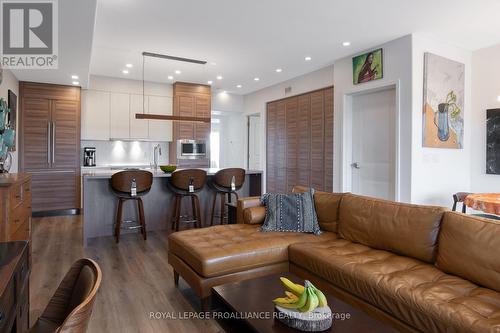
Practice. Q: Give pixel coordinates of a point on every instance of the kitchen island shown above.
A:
(99, 202)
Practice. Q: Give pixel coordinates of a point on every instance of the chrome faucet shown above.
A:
(157, 148)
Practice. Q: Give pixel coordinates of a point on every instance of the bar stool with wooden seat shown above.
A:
(186, 183)
(131, 185)
(225, 183)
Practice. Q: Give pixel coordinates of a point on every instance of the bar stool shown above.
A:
(131, 185)
(186, 183)
(225, 183)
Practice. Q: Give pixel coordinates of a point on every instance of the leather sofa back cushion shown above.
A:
(405, 229)
(327, 207)
(468, 247)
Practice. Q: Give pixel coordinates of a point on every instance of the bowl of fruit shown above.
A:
(168, 168)
(303, 307)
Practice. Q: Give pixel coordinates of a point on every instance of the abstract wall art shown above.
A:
(493, 141)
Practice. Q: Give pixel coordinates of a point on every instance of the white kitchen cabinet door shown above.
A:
(95, 115)
(160, 130)
(120, 116)
(139, 128)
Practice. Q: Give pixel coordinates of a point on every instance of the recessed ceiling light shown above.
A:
(346, 43)
(256, 79)
(239, 86)
(223, 92)
(279, 70)
(178, 72)
(170, 77)
(307, 58)
(219, 77)
(129, 65)
(210, 82)
(76, 83)
(125, 71)
(74, 77)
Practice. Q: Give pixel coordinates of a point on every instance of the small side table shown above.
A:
(231, 212)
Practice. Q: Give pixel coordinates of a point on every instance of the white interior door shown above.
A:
(254, 137)
(373, 144)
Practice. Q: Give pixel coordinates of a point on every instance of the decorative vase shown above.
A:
(442, 122)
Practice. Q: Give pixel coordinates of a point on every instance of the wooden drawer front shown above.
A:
(54, 191)
(16, 196)
(7, 302)
(22, 275)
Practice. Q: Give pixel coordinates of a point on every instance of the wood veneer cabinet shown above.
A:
(300, 141)
(50, 144)
(15, 207)
(191, 100)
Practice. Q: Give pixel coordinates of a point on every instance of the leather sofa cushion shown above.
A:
(254, 215)
(226, 249)
(415, 292)
(405, 229)
(469, 247)
(327, 207)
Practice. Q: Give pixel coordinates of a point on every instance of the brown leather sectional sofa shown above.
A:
(421, 268)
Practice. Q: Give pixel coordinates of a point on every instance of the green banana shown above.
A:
(312, 301)
(321, 297)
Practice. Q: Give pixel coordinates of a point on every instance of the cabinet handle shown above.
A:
(53, 142)
(48, 142)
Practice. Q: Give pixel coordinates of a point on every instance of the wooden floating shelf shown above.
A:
(173, 118)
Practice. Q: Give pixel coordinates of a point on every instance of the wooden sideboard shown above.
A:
(15, 207)
(14, 287)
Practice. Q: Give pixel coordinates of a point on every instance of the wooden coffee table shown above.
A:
(255, 297)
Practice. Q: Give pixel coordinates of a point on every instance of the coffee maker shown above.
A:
(89, 156)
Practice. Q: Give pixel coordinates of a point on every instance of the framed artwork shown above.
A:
(368, 67)
(443, 105)
(12, 120)
(493, 141)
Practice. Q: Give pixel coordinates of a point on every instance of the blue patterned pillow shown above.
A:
(292, 212)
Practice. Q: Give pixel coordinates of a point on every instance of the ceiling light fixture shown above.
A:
(76, 83)
(308, 58)
(74, 77)
(125, 71)
(256, 79)
(210, 81)
(346, 44)
(219, 77)
(129, 65)
(178, 71)
(223, 92)
(170, 77)
(279, 70)
(239, 86)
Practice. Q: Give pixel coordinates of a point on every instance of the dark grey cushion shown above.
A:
(292, 212)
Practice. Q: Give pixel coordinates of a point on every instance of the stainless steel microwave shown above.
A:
(192, 149)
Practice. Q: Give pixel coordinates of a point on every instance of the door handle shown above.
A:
(53, 142)
(355, 165)
(48, 142)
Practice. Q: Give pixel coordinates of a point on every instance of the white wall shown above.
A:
(485, 90)
(438, 173)
(129, 86)
(397, 71)
(10, 82)
(255, 103)
(226, 102)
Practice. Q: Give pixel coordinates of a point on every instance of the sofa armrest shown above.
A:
(254, 215)
(245, 203)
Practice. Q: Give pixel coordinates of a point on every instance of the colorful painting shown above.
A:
(368, 67)
(12, 117)
(443, 111)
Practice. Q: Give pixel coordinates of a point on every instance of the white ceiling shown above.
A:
(248, 39)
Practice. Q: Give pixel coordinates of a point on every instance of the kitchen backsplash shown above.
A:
(125, 153)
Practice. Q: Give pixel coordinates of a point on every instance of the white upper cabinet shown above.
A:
(120, 116)
(95, 115)
(160, 130)
(139, 128)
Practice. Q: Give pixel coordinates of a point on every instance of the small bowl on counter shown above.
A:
(168, 168)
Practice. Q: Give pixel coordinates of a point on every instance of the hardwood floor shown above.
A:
(137, 278)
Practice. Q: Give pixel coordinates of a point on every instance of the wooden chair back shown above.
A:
(181, 179)
(71, 306)
(121, 181)
(223, 178)
(459, 197)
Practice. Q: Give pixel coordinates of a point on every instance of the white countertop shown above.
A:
(107, 172)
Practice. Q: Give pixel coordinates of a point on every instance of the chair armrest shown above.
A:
(245, 203)
(254, 215)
